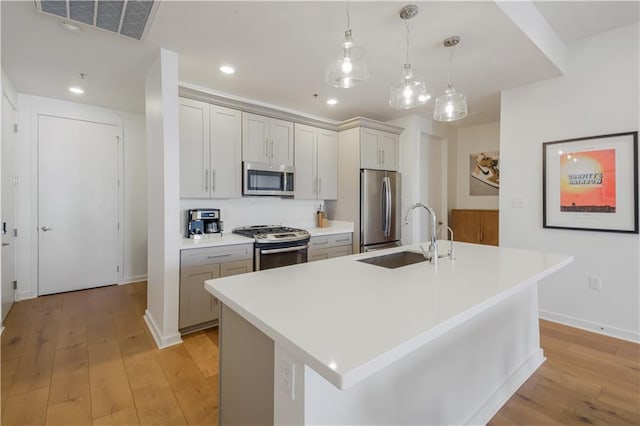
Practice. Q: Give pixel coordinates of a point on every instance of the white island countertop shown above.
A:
(348, 320)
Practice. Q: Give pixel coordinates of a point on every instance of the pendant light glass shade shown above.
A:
(350, 66)
(409, 91)
(450, 106)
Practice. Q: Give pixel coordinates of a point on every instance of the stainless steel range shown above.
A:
(276, 246)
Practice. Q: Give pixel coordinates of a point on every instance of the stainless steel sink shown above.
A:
(395, 260)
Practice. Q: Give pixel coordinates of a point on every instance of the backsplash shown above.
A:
(247, 211)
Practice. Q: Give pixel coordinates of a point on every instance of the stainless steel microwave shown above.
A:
(267, 179)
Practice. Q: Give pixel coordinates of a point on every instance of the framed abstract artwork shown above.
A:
(591, 183)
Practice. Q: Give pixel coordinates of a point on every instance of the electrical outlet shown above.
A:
(517, 203)
(288, 375)
(595, 283)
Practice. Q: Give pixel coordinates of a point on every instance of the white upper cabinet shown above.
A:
(316, 162)
(305, 162)
(267, 140)
(226, 152)
(194, 149)
(378, 150)
(210, 150)
(327, 169)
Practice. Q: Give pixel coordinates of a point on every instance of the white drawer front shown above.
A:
(335, 240)
(209, 255)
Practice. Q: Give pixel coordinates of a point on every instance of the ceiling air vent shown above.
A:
(130, 18)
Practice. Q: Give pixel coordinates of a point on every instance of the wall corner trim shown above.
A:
(161, 341)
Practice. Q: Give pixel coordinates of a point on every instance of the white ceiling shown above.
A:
(281, 49)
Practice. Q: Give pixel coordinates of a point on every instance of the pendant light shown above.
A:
(409, 91)
(350, 66)
(452, 105)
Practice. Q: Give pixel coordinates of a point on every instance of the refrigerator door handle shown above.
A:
(386, 200)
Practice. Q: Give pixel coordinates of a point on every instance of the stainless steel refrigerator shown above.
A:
(379, 209)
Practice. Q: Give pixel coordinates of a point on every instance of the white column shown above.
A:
(163, 177)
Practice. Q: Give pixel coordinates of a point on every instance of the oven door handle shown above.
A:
(284, 250)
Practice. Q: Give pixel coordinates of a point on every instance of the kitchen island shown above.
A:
(347, 342)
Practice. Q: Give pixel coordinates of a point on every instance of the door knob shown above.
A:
(5, 244)
(46, 228)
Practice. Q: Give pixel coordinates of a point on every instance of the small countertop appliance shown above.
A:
(203, 222)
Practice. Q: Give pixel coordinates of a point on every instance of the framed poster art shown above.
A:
(591, 183)
(484, 173)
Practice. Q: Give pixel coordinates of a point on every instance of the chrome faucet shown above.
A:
(432, 255)
(451, 253)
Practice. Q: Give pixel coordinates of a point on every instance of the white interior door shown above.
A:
(433, 183)
(77, 204)
(8, 205)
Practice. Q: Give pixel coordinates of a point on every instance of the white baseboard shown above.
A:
(162, 342)
(506, 391)
(26, 295)
(618, 333)
(133, 279)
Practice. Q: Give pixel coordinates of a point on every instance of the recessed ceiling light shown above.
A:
(332, 101)
(70, 27)
(227, 69)
(76, 90)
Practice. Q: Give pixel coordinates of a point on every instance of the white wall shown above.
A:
(163, 172)
(419, 130)
(134, 247)
(485, 137)
(598, 95)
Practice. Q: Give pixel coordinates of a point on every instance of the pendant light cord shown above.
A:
(406, 24)
(348, 18)
(450, 66)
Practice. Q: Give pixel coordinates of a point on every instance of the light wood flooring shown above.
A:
(587, 379)
(87, 358)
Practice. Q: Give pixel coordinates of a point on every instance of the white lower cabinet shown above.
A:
(198, 308)
(330, 246)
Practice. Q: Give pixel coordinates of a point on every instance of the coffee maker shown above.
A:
(203, 222)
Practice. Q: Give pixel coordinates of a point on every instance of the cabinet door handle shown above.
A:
(271, 148)
(379, 158)
(382, 156)
(206, 180)
(478, 236)
(266, 148)
(213, 180)
(219, 255)
(481, 236)
(319, 186)
(343, 240)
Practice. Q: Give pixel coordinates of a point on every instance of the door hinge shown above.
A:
(15, 285)
(15, 128)
(118, 226)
